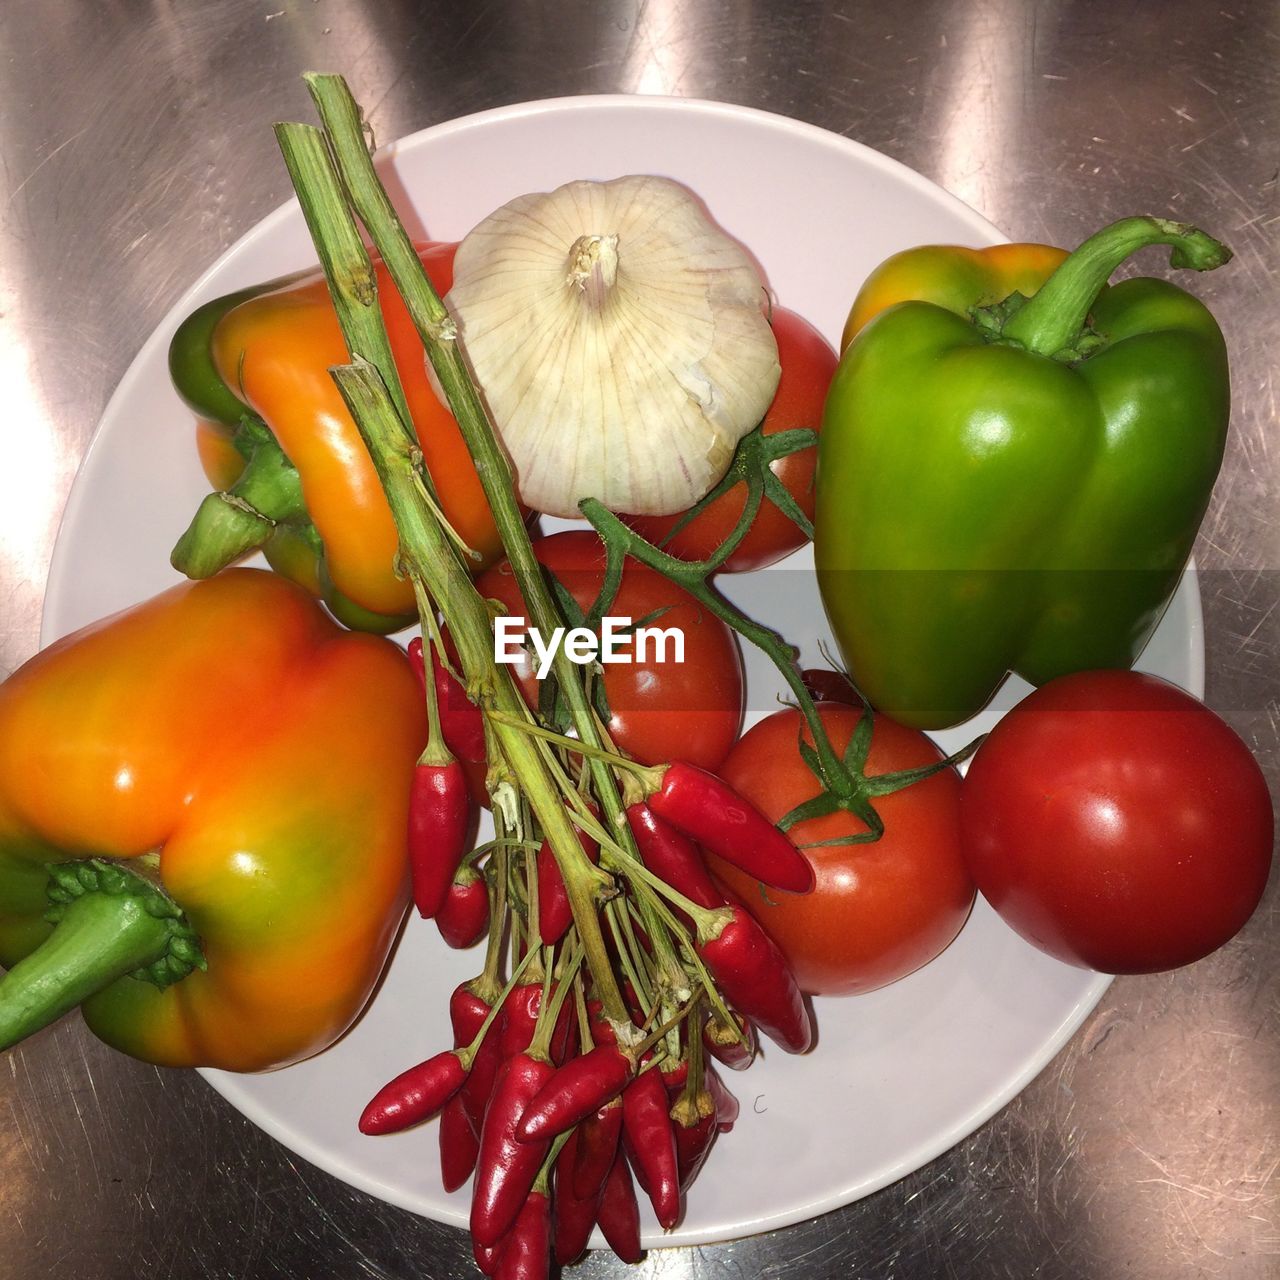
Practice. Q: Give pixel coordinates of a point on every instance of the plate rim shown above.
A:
(231, 1086)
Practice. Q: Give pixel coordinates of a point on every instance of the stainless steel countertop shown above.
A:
(135, 148)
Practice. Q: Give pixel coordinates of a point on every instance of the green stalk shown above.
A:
(691, 575)
(346, 262)
(230, 523)
(343, 125)
(99, 940)
(627, 949)
(426, 551)
(489, 983)
(435, 752)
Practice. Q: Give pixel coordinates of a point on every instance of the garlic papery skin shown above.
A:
(620, 341)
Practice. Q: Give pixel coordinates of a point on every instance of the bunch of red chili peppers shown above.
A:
(556, 1109)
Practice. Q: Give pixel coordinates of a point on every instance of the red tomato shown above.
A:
(661, 710)
(1117, 823)
(878, 911)
(808, 363)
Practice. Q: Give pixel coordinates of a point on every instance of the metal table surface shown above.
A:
(135, 148)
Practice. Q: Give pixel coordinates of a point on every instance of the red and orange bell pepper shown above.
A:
(291, 473)
(202, 825)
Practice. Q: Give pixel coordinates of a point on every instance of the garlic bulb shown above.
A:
(620, 340)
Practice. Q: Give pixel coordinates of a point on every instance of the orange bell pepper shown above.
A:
(203, 810)
(277, 442)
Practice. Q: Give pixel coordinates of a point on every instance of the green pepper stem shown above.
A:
(1053, 319)
(100, 938)
(230, 524)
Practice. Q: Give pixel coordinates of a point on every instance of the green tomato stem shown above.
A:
(692, 576)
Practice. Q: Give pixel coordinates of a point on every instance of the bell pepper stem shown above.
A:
(99, 939)
(231, 523)
(1053, 319)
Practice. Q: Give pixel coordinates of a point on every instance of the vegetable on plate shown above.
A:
(878, 910)
(620, 339)
(202, 828)
(1009, 482)
(785, 466)
(1117, 823)
(290, 473)
(656, 705)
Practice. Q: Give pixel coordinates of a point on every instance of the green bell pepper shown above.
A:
(1014, 486)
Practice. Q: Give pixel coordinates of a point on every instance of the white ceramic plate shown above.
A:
(899, 1076)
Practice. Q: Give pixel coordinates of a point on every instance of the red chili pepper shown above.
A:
(601, 1030)
(527, 1252)
(674, 1075)
(564, 1039)
(555, 915)
(619, 1214)
(695, 1128)
(646, 1126)
(726, 1104)
(461, 721)
(713, 813)
(459, 1145)
(754, 976)
(487, 1257)
(414, 1094)
(439, 821)
(506, 1168)
(735, 1049)
(693, 1145)
(479, 1086)
(597, 1138)
(576, 1090)
(573, 1215)
(463, 918)
(673, 857)
(467, 1011)
(520, 1018)
(830, 686)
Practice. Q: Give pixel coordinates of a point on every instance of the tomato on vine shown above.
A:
(659, 708)
(808, 364)
(878, 910)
